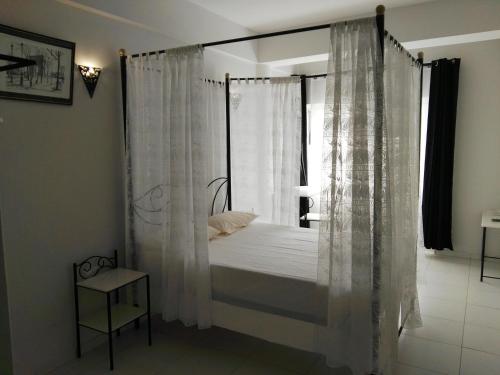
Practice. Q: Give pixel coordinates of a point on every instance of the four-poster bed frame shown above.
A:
(382, 33)
(288, 331)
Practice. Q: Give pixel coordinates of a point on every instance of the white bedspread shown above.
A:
(274, 249)
(267, 267)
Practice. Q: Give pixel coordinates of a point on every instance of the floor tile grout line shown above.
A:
(482, 351)
(422, 368)
(482, 326)
(440, 317)
(486, 306)
(465, 319)
(432, 340)
(444, 299)
(467, 284)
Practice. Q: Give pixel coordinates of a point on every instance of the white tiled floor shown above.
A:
(461, 315)
(178, 350)
(461, 336)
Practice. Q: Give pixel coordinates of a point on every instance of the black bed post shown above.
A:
(420, 60)
(378, 188)
(380, 10)
(303, 201)
(123, 75)
(228, 142)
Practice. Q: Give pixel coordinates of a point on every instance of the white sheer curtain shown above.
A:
(265, 148)
(402, 115)
(368, 204)
(216, 144)
(166, 181)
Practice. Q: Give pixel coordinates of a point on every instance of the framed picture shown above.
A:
(50, 76)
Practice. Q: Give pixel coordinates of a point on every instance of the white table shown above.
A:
(113, 317)
(111, 280)
(487, 222)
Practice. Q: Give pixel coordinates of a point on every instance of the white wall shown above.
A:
(179, 19)
(61, 183)
(443, 18)
(423, 21)
(311, 68)
(476, 182)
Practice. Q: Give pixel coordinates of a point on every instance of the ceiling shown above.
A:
(272, 15)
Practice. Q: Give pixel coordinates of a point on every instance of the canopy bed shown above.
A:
(339, 291)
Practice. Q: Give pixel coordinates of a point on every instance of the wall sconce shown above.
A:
(90, 77)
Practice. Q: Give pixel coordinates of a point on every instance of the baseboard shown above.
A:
(453, 254)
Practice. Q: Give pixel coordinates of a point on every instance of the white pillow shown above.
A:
(229, 222)
(212, 233)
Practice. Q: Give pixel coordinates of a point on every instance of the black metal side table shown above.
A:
(488, 222)
(87, 275)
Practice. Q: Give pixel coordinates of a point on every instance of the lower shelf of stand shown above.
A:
(121, 315)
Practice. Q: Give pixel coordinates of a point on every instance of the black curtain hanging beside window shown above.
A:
(439, 154)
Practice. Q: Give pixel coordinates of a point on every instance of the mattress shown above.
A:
(269, 268)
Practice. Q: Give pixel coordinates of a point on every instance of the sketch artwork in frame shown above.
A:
(50, 76)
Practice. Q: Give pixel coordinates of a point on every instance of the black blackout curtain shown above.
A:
(438, 172)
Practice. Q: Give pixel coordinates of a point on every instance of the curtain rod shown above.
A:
(429, 64)
(379, 11)
(248, 38)
(213, 81)
(400, 46)
(268, 35)
(249, 78)
(324, 75)
(418, 60)
(267, 78)
(278, 33)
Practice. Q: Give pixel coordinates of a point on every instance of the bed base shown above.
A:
(270, 327)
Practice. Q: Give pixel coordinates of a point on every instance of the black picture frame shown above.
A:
(50, 79)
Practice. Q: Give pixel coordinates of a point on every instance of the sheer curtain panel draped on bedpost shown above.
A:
(167, 173)
(345, 266)
(402, 115)
(216, 143)
(369, 161)
(265, 148)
